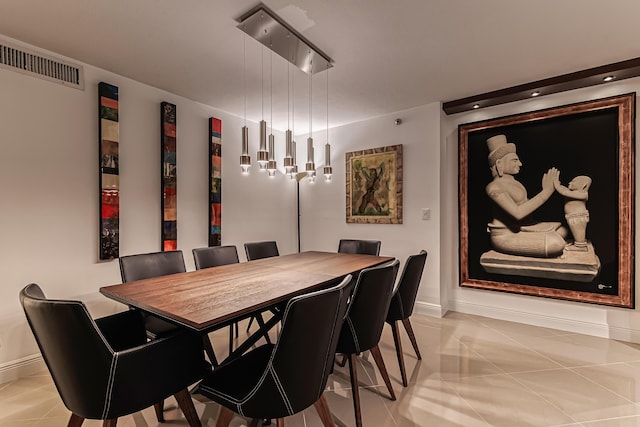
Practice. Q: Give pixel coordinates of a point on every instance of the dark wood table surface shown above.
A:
(204, 299)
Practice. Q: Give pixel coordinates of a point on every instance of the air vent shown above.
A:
(26, 61)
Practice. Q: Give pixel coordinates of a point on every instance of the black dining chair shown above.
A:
(156, 264)
(278, 380)
(106, 368)
(216, 256)
(364, 323)
(365, 247)
(259, 250)
(402, 303)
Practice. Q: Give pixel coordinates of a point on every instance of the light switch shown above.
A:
(426, 214)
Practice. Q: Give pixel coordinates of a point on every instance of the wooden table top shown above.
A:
(205, 298)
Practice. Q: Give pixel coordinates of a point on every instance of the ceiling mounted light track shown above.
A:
(265, 26)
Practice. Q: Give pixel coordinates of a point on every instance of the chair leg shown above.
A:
(186, 405)
(398, 342)
(324, 412)
(159, 407)
(342, 362)
(377, 356)
(353, 373)
(224, 417)
(412, 337)
(208, 348)
(75, 420)
(237, 328)
(110, 423)
(231, 339)
(280, 422)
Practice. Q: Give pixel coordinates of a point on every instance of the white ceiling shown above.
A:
(389, 55)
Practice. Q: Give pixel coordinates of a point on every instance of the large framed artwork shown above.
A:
(374, 185)
(215, 181)
(169, 203)
(547, 204)
(109, 139)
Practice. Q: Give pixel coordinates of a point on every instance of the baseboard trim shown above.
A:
(23, 367)
(570, 325)
(433, 310)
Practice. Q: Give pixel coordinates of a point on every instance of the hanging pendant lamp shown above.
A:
(310, 166)
(327, 148)
(245, 158)
(263, 154)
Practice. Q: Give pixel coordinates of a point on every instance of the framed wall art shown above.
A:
(546, 202)
(215, 181)
(108, 141)
(169, 203)
(374, 185)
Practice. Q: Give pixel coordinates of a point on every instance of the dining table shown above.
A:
(208, 299)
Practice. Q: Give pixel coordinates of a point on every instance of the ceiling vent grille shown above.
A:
(26, 61)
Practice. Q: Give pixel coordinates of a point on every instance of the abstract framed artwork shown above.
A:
(374, 185)
(169, 204)
(215, 181)
(109, 140)
(546, 202)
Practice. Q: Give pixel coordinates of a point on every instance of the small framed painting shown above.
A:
(374, 185)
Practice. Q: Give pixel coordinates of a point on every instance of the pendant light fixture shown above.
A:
(245, 158)
(294, 168)
(288, 158)
(262, 24)
(327, 148)
(263, 155)
(271, 163)
(310, 166)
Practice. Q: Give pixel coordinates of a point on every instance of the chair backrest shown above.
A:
(364, 247)
(77, 355)
(402, 303)
(154, 264)
(304, 353)
(368, 309)
(259, 250)
(215, 256)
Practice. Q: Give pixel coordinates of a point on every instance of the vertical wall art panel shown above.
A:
(169, 187)
(215, 181)
(109, 138)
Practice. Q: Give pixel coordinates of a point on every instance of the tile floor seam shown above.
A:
(526, 387)
(601, 385)
(453, 390)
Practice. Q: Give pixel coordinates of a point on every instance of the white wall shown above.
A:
(618, 323)
(49, 210)
(323, 205)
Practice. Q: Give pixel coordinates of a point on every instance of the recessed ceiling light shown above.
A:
(476, 105)
(536, 93)
(609, 78)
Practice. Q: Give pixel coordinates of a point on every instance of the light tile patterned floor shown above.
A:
(475, 372)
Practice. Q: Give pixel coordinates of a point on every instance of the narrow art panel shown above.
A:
(169, 204)
(374, 185)
(215, 181)
(108, 141)
(547, 202)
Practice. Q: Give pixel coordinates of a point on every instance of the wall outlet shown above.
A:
(426, 214)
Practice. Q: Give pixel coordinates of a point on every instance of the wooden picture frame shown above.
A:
(109, 159)
(522, 254)
(169, 177)
(374, 185)
(215, 182)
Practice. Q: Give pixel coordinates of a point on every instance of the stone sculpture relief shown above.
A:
(523, 246)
